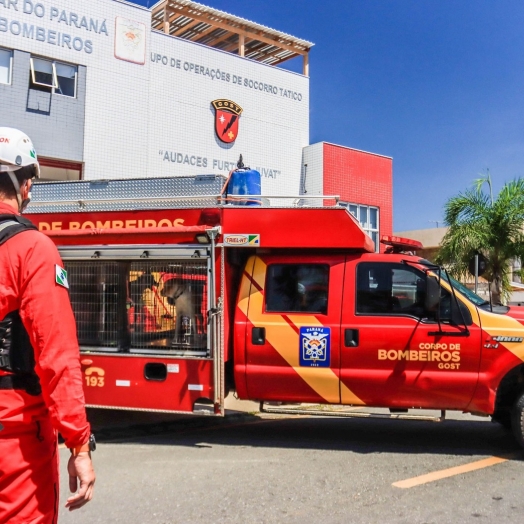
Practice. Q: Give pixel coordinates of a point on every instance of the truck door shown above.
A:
(393, 353)
(291, 307)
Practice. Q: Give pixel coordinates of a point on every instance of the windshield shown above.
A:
(461, 288)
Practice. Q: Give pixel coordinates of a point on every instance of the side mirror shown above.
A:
(432, 294)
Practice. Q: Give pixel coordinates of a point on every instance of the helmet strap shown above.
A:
(16, 185)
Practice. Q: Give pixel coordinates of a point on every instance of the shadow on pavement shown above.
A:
(452, 437)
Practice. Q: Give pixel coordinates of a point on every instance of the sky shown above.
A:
(436, 84)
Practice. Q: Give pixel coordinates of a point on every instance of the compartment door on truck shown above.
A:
(142, 325)
(291, 306)
(391, 355)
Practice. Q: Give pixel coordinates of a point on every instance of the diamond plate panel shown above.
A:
(126, 194)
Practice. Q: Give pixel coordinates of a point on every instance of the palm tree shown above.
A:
(493, 227)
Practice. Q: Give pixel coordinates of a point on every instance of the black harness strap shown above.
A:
(28, 383)
(11, 225)
(16, 352)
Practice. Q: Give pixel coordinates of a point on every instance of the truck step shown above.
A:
(348, 412)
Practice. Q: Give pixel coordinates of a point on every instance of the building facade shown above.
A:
(110, 90)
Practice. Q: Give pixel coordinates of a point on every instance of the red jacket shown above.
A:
(28, 284)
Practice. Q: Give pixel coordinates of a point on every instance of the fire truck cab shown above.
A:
(183, 293)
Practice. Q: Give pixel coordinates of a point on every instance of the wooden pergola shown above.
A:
(213, 28)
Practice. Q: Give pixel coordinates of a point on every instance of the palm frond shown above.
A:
(479, 223)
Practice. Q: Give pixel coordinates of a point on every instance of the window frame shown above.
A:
(445, 319)
(10, 67)
(75, 78)
(123, 262)
(53, 72)
(392, 266)
(54, 88)
(367, 228)
(269, 287)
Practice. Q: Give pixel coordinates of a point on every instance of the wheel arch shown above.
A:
(508, 390)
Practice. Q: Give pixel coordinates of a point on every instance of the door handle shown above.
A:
(351, 338)
(258, 336)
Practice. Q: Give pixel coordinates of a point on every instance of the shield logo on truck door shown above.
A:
(227, 115)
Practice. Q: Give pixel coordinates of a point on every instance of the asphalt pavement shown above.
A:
(258, 468)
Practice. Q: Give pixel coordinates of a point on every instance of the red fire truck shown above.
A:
(183, 292)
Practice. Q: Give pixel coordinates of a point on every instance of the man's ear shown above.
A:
(26, 186)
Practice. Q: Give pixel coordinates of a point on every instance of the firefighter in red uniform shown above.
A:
(40, 377)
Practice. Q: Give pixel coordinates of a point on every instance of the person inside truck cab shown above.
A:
(40, 378)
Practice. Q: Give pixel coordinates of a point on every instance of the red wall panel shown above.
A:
(360, 178)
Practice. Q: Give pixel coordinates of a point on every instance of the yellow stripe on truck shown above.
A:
(285, 340)
(496, 325)
(259, 272)
(245, 288)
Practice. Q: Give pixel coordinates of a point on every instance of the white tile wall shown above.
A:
(272, 128)
(116, 91)
(134, 113)
(313, 174)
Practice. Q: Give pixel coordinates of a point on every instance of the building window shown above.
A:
(53, 77)
(368, 218)
(6, 65)
(51, 169)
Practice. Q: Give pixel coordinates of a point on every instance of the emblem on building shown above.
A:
(130, 40)
(227, 115)
(315, 346)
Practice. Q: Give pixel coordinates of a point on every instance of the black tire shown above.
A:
(517, 419)
(503, 417)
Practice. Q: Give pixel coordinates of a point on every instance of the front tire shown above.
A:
(517, 419)
(503, 417)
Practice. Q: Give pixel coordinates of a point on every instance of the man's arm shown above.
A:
(47, 315)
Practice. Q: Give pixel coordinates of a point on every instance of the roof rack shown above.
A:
(126, 194)
(133, 194)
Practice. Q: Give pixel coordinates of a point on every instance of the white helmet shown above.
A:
(16, 151)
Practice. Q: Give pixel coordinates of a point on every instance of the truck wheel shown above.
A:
(517, 419)
(503, 417)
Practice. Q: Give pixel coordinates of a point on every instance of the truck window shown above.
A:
(294, 288)
(390, 288)
(95, 289)
(140, 305)
(167, 305)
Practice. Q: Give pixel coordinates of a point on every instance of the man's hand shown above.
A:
(80, 469)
